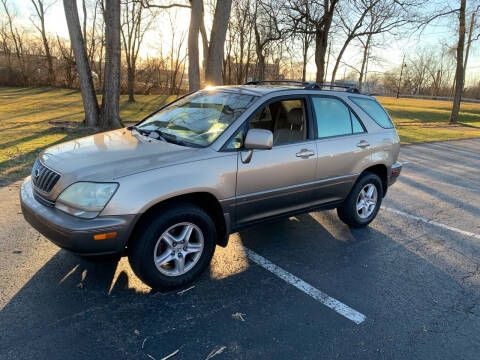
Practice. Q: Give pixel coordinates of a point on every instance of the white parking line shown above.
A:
(432, 222)
(308, 289)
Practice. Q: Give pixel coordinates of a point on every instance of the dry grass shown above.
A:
(32, 119)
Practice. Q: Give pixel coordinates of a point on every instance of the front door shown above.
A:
(278, 180)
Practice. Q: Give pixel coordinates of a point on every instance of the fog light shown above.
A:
(105, 236)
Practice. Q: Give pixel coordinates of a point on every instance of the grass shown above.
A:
(32, 119)
(419, 120)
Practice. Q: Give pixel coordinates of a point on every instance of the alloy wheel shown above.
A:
(178, 249)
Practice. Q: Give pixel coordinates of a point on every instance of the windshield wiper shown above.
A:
(137, 129)
(164, 136)
(148, 132)
(176, 140)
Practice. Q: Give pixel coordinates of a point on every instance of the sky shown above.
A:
(391, 53)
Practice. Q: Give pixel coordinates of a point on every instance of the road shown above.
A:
(413, 274)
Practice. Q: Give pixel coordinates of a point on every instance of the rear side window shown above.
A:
(374, 110)
(334, 118)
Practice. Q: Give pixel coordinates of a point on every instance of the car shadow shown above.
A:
(81, 308)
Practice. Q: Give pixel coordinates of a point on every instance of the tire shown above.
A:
(153, 246)
(347, 212)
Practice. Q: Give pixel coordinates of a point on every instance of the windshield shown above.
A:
(198, 118)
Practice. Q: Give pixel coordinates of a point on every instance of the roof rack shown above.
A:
(307, 85)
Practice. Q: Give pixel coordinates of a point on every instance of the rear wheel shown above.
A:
(362, 204)
(174, 248)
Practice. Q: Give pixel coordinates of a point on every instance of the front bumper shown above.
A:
(394, 173)
(72, 233)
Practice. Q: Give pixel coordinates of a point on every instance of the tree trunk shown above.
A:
(131, 83)
(364, 62)
(305, 57)
(51, 72)
(261, 64)
(259, 52)
(203, 33)
(321, 42)
(110, 118)
(213, 73)
(339, 57)
(459, 73)
(469, 42)
(193, 59)
(90, 103)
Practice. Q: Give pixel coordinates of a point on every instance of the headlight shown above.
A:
(85, 199)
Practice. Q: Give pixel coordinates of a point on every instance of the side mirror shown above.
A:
(257, 139)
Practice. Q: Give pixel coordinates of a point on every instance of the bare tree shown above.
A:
(18, 46)
(301, 29)
(134, 26)
(95, 41)
(267, 30)
(90, 103)
(110, 111)
(40, 10)
(68, 62)
(318, 14)
(361, 8)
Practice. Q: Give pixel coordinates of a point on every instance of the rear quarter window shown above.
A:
(374, 110)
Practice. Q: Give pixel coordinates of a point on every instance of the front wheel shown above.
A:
(362, 204)
(174, 248)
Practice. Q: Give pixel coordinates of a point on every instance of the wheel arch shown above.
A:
(204, 200)
(381, 171)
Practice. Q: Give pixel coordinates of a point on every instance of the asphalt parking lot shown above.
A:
(308, 287)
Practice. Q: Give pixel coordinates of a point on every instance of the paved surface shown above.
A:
(416, 283)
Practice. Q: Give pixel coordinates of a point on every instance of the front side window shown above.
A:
(286, 119)
(198, 118)
(374, 110)
(334, 118)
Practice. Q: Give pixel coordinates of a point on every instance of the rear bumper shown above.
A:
(72, 233)
(394, 173)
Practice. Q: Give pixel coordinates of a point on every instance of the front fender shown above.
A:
(139, 192)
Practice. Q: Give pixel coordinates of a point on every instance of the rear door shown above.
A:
(278, 180)
(342, 147)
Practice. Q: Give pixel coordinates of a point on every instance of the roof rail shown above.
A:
(308, 85)
(349, 89)
(295, 82)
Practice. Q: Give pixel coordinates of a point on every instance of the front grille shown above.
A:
(43, 178)
(42, 200)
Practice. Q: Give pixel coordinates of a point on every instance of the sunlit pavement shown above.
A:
(414, 274)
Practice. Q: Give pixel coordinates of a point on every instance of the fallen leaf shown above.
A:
(184, 291)
(171, 355)
(215, 352)
(238, 316)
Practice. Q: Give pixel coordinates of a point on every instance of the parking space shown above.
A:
(277, 290)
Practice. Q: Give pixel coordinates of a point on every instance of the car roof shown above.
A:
(264, 89)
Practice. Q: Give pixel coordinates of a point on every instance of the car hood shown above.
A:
(109, 155)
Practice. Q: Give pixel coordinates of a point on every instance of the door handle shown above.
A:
(363, 144)
(305, 153)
